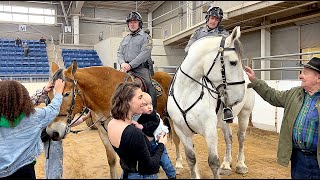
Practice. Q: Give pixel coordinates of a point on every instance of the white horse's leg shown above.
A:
(227, 161)
(243, 120)
(213, 158)
(189, 152)
(176, 141)
(111, 154)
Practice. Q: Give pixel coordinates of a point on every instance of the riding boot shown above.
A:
(227, 115)
(152, 92)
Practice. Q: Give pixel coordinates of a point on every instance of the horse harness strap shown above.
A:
(204, 84)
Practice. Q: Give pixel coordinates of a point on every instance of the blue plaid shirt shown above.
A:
(305, 129)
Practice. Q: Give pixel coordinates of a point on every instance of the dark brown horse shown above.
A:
(92, 88)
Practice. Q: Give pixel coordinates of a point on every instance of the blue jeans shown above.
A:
(165, 161)
(139, 176)
(304, 166)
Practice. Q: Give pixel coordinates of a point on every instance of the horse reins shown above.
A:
(205, 81)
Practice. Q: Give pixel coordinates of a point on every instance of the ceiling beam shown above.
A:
(154, 7)
(78, 8)
(116, 7)
(64, 13)
(282, 23)
(250, 8)
(272, 13)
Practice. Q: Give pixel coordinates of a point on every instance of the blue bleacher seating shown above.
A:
(84, 57)
(13, 62)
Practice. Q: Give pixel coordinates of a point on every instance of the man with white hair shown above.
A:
(299, 133)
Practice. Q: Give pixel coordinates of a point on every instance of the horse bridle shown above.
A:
(220, 90)
(59, 74)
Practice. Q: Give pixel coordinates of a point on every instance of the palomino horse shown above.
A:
(92, 87)
(211, 77)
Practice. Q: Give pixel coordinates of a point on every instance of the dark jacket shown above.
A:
(150, 122)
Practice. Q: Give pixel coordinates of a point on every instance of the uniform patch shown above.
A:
(157, 86)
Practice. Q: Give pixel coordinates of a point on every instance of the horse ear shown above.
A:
(235, 33)
(54, 67)
(74, 66)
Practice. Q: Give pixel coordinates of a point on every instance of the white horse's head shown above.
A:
(218, 59)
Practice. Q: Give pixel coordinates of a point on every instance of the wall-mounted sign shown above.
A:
(67, 29)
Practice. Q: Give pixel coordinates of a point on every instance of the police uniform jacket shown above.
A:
(203, 32)
(135, 49)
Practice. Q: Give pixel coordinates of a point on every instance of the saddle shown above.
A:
(143, 86)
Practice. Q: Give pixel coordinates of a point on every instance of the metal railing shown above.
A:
(179, 22)
(26, 77)
(169, 69)
(302, 58)
(252, 62)
(84, 39)
(54, 51)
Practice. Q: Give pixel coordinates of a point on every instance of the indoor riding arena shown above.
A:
(276, 37)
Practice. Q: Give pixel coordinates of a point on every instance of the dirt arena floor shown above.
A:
(85, 156)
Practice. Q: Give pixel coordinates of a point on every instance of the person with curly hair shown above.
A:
(53, 149)
(20, 128)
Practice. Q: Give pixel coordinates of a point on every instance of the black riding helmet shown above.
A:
(134, 16)
(214, 11)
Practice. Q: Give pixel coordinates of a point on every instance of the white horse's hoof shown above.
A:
(225, 169)
(179, 166)
(178, 170)
(241, 169)
(225, 172)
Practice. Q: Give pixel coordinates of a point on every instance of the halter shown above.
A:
(220, 90)
(76, 92)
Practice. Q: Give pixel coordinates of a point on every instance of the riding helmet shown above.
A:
(214, 11)
(134, 16)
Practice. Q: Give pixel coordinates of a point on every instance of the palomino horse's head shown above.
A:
(217, 60)
(73, 101)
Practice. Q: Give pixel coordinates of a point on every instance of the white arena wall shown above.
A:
(33, 87)
(266, 116)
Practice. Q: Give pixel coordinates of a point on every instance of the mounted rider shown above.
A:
(134, 53)
(214, 16)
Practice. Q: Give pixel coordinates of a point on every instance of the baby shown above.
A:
(152, 126)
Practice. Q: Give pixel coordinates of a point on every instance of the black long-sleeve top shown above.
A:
(134, 152)
(150, 122)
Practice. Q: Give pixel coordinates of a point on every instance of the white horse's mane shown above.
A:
(206, 37)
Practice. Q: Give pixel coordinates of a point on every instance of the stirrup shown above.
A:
(227, 115)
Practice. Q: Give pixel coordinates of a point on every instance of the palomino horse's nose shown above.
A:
(55, 136)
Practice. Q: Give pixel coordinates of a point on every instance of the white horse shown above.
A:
(210, 77)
